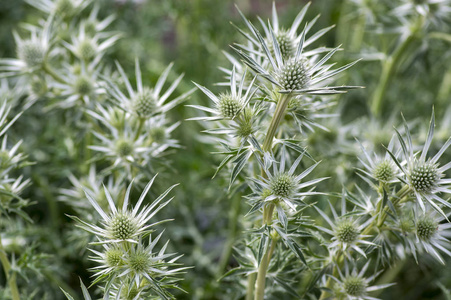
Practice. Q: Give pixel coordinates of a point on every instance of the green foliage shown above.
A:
(314, 194)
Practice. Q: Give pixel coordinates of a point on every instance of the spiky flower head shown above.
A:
(355, 286)
(347, 231)
(384, 171)
(144, 103)
(31, 52)
(87, 49)
(229, 106)
(64, 7)
(286, 44)
(139, 261)
(424, 176)
(282, 185)
(158, 134)
(124, 147)
(294, 75)
(83, 85)
(426, 228)
(122, 226)
(246, 123)
(114, 257)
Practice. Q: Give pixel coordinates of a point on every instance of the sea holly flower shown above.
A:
(433, 235)
(282, 187)
(145, 102)
(143, 262)
(81, 83)
(92, 183)
(346, 231)
(32, 53)
(425, 176)
(287, 39)
(93, 26)
(87, 47)
(124, 224)
(61, 8)
(380, 169)
(127, 144)
(229, 104)
(297, 74)
(354, 285)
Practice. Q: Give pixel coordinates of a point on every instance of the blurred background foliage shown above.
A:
(193, 34)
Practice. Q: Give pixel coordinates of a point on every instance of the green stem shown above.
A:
(402, 193)
(263, 267)
(140, 126)
(281, 107)
(250, 286)
(11, 278)
(46, 68)
(388, 70)
(268, 210)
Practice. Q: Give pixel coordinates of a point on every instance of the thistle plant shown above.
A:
(288, 74)
(287, 71)
(127, 262)
(322, 189)
(119, 135)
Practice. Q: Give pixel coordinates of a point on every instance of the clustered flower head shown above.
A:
(126, 259)
(425, 176)
(354, 285)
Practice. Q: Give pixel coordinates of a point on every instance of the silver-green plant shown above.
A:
(397, 216)
(120, 134)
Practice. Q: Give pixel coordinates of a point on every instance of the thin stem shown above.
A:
(251, 286)
(389, 68)
(11, 278)
(140, 126)
(268, 211)
(46, 68)
(262, 270)
(402, 193)
(281, 107)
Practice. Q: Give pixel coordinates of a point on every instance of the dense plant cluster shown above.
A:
(325, 187)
